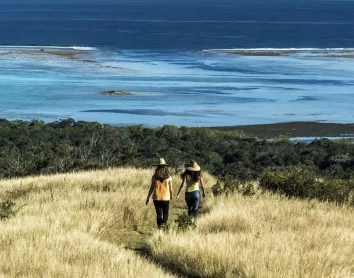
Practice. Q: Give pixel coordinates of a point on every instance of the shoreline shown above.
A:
(294, 129)
(291, 130)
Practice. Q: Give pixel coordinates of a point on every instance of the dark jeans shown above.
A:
(162, 208)
(192, 200)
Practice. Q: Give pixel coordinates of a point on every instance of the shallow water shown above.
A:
(207, 88)
(263, 61)
(311, 139)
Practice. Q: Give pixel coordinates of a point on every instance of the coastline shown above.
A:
(294, 129)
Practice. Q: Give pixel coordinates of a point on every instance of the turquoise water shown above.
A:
(154, 49)
(202, 88)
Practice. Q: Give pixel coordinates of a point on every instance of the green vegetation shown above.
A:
(228, 185)
(304, 184)
(184, 222)
(35, 147)
(88, 221)
(6, 209)
(30, 148)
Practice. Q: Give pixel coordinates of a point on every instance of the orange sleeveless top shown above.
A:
(162, 190)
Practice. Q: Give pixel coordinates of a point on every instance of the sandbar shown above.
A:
(295, 129)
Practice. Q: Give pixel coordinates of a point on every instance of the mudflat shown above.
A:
(65, 53)
(294, 129)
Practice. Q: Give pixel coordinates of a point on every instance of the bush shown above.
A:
(184, 222)
(6, 209)
(229, 185)
(336, 190)
(273, 181)
(305, 184)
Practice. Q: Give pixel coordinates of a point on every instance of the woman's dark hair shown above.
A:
(162, 172)
(194, 175)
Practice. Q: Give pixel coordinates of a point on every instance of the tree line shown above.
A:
(36, 147)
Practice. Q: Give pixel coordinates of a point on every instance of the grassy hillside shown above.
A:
(263, 236)
(59, 230)
(88, 224)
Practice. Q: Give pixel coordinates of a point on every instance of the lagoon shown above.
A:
(183, 88)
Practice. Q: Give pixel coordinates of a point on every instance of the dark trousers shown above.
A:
(162, 208)
(192, 200)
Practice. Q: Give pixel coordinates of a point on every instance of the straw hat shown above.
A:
(162, 163)
(193, 166)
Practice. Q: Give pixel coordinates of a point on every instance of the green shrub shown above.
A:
(305, 184)
(291, 182)
(336, 190)
(184, 222)
(7, 209)
(228, 185)
(273, 181)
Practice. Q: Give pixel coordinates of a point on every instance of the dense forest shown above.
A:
(294, 168)
(35, 147)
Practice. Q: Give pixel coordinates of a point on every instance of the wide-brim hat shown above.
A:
(162, 163)
(193, 166)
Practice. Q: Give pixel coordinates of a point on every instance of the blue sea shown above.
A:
(186, 63)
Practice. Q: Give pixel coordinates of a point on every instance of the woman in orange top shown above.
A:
(161, 190)
(193, 180)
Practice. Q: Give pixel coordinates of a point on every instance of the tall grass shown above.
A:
(67, 223)
(79, 225)
(263, 236)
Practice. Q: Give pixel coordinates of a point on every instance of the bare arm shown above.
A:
(180, 188)
(150, 191)
(171, 187)
(202, 185)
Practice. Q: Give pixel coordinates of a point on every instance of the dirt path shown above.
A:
(137, 241)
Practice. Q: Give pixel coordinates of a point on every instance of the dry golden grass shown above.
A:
(263, 236)
(66, 223)
(79, 225)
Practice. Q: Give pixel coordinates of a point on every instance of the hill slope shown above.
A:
(82, 225)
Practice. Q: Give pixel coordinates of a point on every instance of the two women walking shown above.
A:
(161, 190)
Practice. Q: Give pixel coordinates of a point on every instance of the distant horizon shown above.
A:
(153, 49)
(216, 2)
